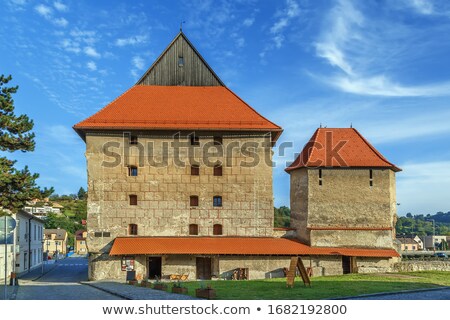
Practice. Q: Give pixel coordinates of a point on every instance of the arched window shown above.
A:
(217, 230)
(193, 229)
(132, 229)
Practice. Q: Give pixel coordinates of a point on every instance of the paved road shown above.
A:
(443, 294)
(61, 283)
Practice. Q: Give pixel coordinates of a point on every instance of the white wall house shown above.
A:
(29, 236)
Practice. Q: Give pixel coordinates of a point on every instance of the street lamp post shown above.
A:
(42, 256)
(434, 232)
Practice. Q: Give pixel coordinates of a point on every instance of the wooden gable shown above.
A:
(180, 65)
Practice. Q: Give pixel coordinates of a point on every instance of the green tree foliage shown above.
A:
(282, 217)
(82, 195)
(423, 225)
(16, 186)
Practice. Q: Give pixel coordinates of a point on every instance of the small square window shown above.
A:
(218, 170)
(133, 139)
(132, 229)
(217, 201)
(193, 229)
(193, 201)
(132, 171)
(217, 230)
(133, 200)
(195, 170)
(195, 141)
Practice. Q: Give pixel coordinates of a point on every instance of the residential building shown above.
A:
(43, 207)
(29, 234)
(24, 249)
(80, 242)
(180, 182)
(419, 242)
(408, 244)
(55, 241)
(433, 242)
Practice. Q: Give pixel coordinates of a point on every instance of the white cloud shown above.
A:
(70, 45)
(60, 22)
(91, 65)
(139, 39)
(291, 11)
(356, 48)
(248, 22)
(138, 62)
(43, 10)
(91, 52)
(60, 6)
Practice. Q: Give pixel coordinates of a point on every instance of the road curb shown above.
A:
(106, 290)
(382, 294)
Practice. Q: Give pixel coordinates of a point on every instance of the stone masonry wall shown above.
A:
(410, 266)
(345, 199)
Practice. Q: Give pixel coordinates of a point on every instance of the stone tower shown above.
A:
(342, 192)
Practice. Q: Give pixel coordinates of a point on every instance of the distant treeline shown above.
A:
(423, 224)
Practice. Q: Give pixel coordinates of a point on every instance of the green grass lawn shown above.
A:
(323, 287)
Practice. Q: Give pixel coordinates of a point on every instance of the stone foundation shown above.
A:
(103, 266)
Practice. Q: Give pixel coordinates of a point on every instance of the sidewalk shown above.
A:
(129, 292)
(36, 273)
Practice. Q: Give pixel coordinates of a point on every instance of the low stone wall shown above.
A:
(409, 266)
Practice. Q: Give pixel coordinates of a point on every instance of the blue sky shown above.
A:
(383, 66)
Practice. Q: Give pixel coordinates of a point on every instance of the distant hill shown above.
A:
(423, 224)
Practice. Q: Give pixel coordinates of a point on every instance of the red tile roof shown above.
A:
(232, 246)
(179, 108)
(339, 147)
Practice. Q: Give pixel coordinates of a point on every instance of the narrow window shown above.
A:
(133, 139)
(193, 229)
(180, 62)
(194, 201)
(195, 141)
(195, 170)
(217, 201)
(133, 200)
(217, 141)
(371, 178)
(371, 183)
(132, 229)
(132, 171)
(371, 174)
(218, 170)
(320, 177)
(217, 230)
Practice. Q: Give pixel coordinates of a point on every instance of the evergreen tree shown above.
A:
(16, 186)
(82, 194)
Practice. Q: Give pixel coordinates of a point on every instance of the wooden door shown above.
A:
(203, 268)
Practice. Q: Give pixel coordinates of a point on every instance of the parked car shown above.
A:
(441, 255)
